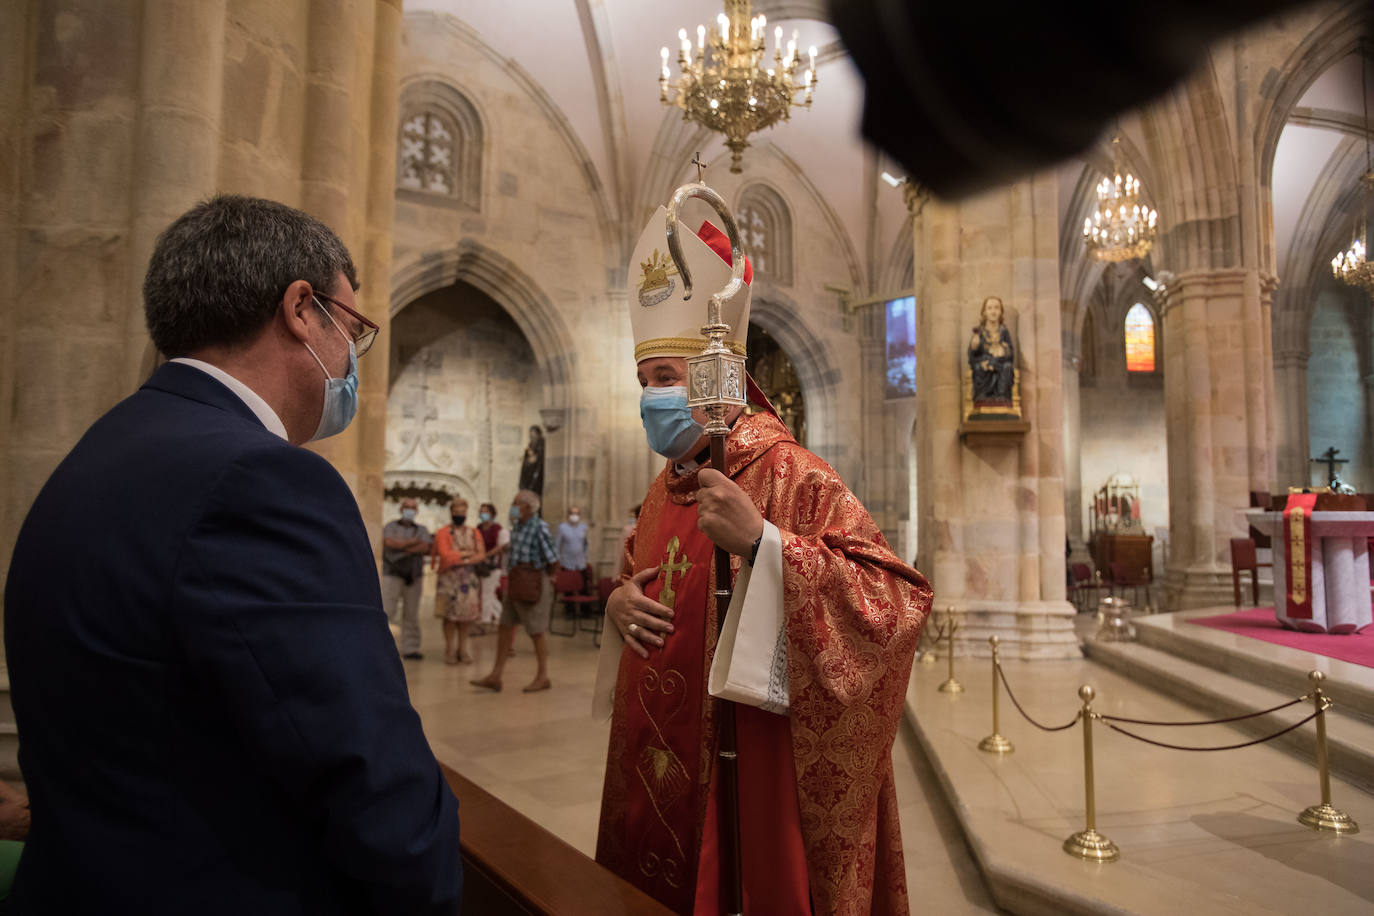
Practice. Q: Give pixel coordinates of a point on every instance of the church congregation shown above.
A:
(703, 457)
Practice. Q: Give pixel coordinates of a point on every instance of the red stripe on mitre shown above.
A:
(720, 244)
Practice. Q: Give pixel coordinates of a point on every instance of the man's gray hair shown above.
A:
(528, 498)
(218, 273)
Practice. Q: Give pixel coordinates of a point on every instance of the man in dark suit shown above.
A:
(212, 715)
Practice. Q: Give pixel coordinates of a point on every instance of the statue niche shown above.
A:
(992, 389)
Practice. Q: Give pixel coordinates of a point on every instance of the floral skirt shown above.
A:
(457, 595)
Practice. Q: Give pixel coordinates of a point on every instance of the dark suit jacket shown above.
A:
(212, 715)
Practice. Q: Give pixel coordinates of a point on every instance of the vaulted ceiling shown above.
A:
(598, 60)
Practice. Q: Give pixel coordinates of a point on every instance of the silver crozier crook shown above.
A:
(715, 382)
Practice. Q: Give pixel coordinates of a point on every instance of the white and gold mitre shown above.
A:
(664, 324)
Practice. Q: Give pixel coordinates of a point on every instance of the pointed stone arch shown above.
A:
(778, 314)
(1189, 140)
(501, 279)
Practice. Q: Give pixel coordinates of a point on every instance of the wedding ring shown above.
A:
(632, 629)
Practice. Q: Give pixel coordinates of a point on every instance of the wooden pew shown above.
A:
(514, 867)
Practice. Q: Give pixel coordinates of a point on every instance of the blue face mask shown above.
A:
(340, 394)
(668, 422)
(485, 517)
(408, 514)
(515, 513)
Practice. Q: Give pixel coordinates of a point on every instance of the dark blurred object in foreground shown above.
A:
(966, 96)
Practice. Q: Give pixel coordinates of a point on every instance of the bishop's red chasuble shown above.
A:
(818, 807)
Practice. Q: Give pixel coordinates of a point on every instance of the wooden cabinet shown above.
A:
(1133, 551)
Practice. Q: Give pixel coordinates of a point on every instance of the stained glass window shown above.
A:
(1140, 339)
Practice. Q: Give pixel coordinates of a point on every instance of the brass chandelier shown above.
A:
(1122, 228)
(725, 84)
(1352, 265)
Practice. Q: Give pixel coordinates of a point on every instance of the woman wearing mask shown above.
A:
(496, 540)
(458, 550)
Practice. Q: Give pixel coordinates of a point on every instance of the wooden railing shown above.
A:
(511, 865)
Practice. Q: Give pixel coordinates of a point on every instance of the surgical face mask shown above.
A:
(668, 422)
(515, 513)
(340, 394)
(485, 517)
(574, 518)
(408, 514)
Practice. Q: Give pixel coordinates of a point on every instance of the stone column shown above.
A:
(176, 158)
(1216, 384)
(348, 181)
(1292, 447)
(108, 114)
(991, 521)
(1073, 453)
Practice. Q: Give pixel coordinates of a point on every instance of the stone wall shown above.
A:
(991, 513)
(117, 116)
(1337, 394)
(463, 398)
(542, 243)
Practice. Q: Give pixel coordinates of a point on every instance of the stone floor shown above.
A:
(543, 755)
(1198, 832)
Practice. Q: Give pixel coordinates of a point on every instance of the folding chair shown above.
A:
(604, 587)
(1083, 582)
(568, 588)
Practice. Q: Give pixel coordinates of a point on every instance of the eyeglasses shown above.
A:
(363, 340)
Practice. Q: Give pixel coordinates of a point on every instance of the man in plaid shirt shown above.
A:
(531, 550)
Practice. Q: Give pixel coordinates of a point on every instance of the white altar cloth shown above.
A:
(1340, 570)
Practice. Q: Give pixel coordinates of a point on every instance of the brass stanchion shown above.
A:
(951, 685)
(927, 656)
(995, 743)
(1088, 843)
(1323, 816)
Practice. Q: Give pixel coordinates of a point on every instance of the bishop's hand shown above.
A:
(641, 620)
(726, 514)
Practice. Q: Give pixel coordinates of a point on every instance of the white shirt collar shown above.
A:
(265, 414)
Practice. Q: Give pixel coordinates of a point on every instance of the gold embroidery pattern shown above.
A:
(1297, 555)
(661, 771)
(673, 564)
(854, 613)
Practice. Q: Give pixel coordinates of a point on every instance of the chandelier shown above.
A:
(1122, 228)
(1350, 265)
(725, 84)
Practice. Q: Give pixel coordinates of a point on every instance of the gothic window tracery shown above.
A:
(426, 156)
(1140, 339)
(439, 151)
(766, 225)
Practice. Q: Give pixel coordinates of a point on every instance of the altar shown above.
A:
(1340, 570)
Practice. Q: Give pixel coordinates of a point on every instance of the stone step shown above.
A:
(1209, 833)
(1281, 668)
(1215, 694)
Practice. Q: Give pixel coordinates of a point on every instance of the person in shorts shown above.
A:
(533, 562)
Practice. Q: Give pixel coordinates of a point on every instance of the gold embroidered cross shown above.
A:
(672, 563)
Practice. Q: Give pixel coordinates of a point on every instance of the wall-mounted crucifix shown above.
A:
(1329, 458)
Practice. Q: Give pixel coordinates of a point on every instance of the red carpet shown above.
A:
(1259, 623)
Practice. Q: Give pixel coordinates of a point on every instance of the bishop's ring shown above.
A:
(632, 628)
